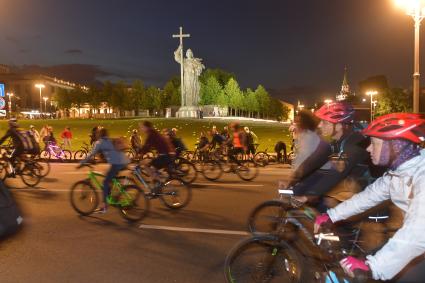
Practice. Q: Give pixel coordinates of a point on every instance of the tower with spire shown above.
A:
(345, 88)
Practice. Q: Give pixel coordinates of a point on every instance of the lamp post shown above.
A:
(45, 103)
(40, 87)
(371, 93)
(415, 9)
(10, 94)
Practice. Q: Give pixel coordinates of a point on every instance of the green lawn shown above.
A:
(189, 129)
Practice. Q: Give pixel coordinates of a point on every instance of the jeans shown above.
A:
(113, 171)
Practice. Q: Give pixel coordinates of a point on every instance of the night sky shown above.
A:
(292, 47)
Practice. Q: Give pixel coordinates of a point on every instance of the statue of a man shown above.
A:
(192, 69)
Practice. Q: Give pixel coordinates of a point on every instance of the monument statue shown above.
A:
(192, 69)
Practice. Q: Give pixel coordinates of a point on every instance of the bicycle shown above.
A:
(130, 200)
(28, 169)
(54, 151)
(82, 153)
(246, 170)
(292, 253)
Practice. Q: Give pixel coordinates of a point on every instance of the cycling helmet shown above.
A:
(398, 126)
(336, 112)
(135, 131)
(13, 123)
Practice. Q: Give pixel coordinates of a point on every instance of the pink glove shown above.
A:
(320, 220)
(350, 264)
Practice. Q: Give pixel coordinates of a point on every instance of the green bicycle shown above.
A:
(129, 199)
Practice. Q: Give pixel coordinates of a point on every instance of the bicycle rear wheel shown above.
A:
(186, 171)
(44, 168)
(45, 155)
(134, 203)
(84, 198)
(247, 170)
(263, 259)
(65, 155)
(175, 194)
(30, 174)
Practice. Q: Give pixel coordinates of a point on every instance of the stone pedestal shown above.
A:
(188, 112)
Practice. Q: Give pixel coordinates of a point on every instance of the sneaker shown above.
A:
(100, 210)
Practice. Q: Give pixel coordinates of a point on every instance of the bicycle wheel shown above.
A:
(80, 155)
(30, 174)
(266, 217)
(247, 170)
(211, 170)
(186, 171)
(44, 168)
(84, 198)
(226, 165)
(4, 169)
(65, 155)
(263, 259)
(175, 194)
(45, 155)
(261, 159)
(134, 203)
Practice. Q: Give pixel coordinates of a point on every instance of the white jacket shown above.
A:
(406, 189)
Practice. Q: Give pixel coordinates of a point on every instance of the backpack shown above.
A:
(10, 217)
(29, 143)
(120, 144)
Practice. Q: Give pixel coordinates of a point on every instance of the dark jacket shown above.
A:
(156, 141)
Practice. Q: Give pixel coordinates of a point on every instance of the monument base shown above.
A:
(189, 112)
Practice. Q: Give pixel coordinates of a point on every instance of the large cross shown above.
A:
(181, 36)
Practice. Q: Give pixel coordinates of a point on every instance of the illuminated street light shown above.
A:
(45, 103)
(328, 101)
(371, 93)
(415, 9)
(10, 94)
(40, 87)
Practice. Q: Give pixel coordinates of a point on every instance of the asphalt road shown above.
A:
(56, 245)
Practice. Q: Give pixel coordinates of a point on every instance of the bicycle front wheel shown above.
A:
(211, 170)
(44, 168)
(80, 155)
(247, 171)
(134, 203)
(176, 194)
(84, 198)
(267, 217)
(262, 259)
(30, 175)
(186, 171)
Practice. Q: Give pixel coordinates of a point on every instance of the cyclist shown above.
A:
(336, 123)
(35, 133)
(155, 140)
(135, 140)
(251, 141)
(395, 144)
(18, 145)
(203, 146)
(175, 141)
(116, 158)
(239, 145)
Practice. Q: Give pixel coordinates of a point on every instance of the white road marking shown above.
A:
(194, 230)
(229, 184)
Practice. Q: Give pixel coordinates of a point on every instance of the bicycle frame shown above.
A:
(93, 178)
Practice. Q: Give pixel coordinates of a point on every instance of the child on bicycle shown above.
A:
(395, 140)
(116, 158)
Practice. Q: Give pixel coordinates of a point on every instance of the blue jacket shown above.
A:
(112, 155)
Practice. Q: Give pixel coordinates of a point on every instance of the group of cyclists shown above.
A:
(391, 142)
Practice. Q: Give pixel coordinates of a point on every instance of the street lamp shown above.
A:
(40, 87)
(371, 93)
(45, 103)
(10, 94)
(415, 9)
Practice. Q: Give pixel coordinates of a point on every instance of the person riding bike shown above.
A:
(175, 141)
(336, 123)
(18, 145)
(135, 140)
(164, 148)
(395, 140)
(116, 158)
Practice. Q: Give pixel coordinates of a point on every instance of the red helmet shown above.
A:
(336, 112)
(398, 126)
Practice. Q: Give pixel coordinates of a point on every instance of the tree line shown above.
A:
(217, 88)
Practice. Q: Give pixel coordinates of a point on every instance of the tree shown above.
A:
(393, 100)
(210, 91)
(78, 98)
(63, 99)
(172, 92)
(220, 75)
(138, 96)
(251, 102)
(263, 99)
(234, 94)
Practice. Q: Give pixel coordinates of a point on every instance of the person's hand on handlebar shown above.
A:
(353, 266)
(320, 220)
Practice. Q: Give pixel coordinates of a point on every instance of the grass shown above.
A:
(189, 129)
